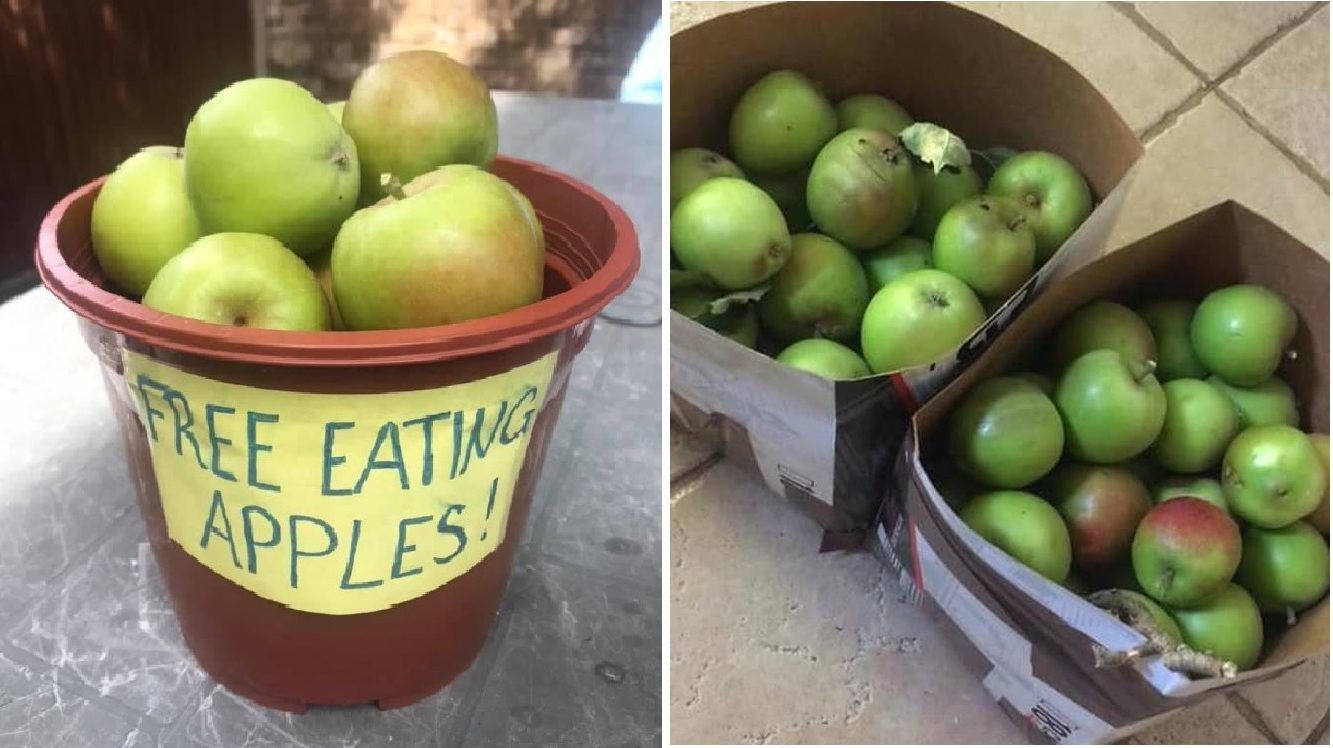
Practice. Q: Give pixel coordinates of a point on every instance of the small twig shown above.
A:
(1178, 657)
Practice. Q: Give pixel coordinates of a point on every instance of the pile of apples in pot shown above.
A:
(283, 213)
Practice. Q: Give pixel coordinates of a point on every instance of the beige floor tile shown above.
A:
(1140, 79)
(1213, 721)
(773, 642)
(1216, 35)
(1285, 90)
(1293, 704)
(1211, 155)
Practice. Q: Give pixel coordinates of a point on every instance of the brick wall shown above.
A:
(567, 47)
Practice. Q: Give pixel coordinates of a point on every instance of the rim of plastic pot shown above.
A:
(588, 294)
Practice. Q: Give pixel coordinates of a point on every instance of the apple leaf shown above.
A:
(936, 146)
(721, 304)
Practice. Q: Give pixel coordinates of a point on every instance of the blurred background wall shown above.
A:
(85, 84)
(563, 47)
(88, 82)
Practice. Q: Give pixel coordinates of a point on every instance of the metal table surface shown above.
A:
(90, 654)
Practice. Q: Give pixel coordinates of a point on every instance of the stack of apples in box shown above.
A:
(283, 213)
(853, 238)
(1153, 454)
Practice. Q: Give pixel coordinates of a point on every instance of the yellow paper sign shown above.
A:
(337, 504)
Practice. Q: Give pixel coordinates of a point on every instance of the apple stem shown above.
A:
(1149, 368)
(392, 185)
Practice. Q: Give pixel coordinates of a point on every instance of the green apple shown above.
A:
(780, 123)
(691, 167)
(324, 274)
(1200, 423)
(1319, 517)
(455, 244)
(861, 189)
(985, 241)
(1241, 333)
(1023, 526)
(788, 191)
(1284, 569)
(820, 292)
(1199, 487)
(897, 258)
(1265, 404)
(937, 192)
(1184, 551)
(1041, 381)
(263, 156)
(1051, 190)
(826, 358)
(874, 112)
(731, 231)
(240, 280)
(1227, 626)
(336, 109)
(1104, 324)
(415, 111)
(918, 319)
(1169, 321)
(1101, 506)
(1113, 408)
(142, 217)
(1273, 476)
(1006, 433)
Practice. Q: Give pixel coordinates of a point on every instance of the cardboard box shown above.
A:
(829, 446)
(1029, 639)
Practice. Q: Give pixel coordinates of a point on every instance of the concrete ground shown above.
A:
(772, 643)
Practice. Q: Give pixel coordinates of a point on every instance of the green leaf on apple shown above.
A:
(721, 304)
(936, 146)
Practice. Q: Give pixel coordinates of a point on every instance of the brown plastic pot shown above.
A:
(288, 659)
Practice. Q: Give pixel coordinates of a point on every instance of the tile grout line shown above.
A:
(1301, 163)
(1128, 10)
(1215, 86)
